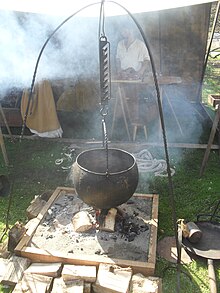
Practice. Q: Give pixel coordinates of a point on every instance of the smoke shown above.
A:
(72, 53)
(72, 50)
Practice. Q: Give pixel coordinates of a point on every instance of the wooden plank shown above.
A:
(33, 283)
(154, 226)
(14, 270)
(162, 80)
(41, 255)
(82, 143)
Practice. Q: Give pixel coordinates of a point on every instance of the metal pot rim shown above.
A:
(110, 173)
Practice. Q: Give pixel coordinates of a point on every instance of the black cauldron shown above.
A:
(105, 185)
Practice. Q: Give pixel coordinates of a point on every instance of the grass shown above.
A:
(193, 195)
(34, 169)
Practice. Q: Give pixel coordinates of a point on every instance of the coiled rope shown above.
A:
(146, 163)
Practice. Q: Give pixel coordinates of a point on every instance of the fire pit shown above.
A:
(51, 236)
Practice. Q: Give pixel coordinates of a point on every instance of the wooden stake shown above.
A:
(3, 148)
(211, 138)
(6, 123)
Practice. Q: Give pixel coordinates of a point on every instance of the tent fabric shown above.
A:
(42, 116)
(67, 7)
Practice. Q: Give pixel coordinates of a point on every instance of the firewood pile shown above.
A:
(28, 277)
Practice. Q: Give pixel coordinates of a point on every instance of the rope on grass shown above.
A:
(146, 163)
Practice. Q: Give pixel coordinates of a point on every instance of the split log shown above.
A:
(15, 234)
(33, 283)
(37, 204)
(109, 221)
(81, 222)
(46, 269)
(68, 287)
(4, 253)
(87, 287)
(142, 284)
(3, 265)
(35, 207)
(77, 272)
(15, 269)
(112, 279)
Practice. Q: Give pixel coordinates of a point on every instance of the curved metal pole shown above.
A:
(154, 76)
(171, 193)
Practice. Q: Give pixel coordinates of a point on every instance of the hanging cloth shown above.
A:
(42, 117)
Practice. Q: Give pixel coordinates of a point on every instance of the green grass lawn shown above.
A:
(33, 170)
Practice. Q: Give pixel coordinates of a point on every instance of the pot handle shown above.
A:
(212, 278)
(213, 216)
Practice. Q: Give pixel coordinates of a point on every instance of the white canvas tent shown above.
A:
(177, 33)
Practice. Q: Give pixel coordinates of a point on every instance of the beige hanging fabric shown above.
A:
(42, 115)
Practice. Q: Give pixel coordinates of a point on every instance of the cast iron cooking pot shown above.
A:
(99, 188)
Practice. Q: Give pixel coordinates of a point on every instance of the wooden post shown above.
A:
(121, 102)
(6, 122)
(211, 138)
(3, 148)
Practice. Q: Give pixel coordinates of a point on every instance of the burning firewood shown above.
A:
(108, 224)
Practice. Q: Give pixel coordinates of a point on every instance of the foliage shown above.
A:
(211, 84)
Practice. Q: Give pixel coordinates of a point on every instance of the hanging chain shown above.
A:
(104, 61)
(105, 77)
(104, 48)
